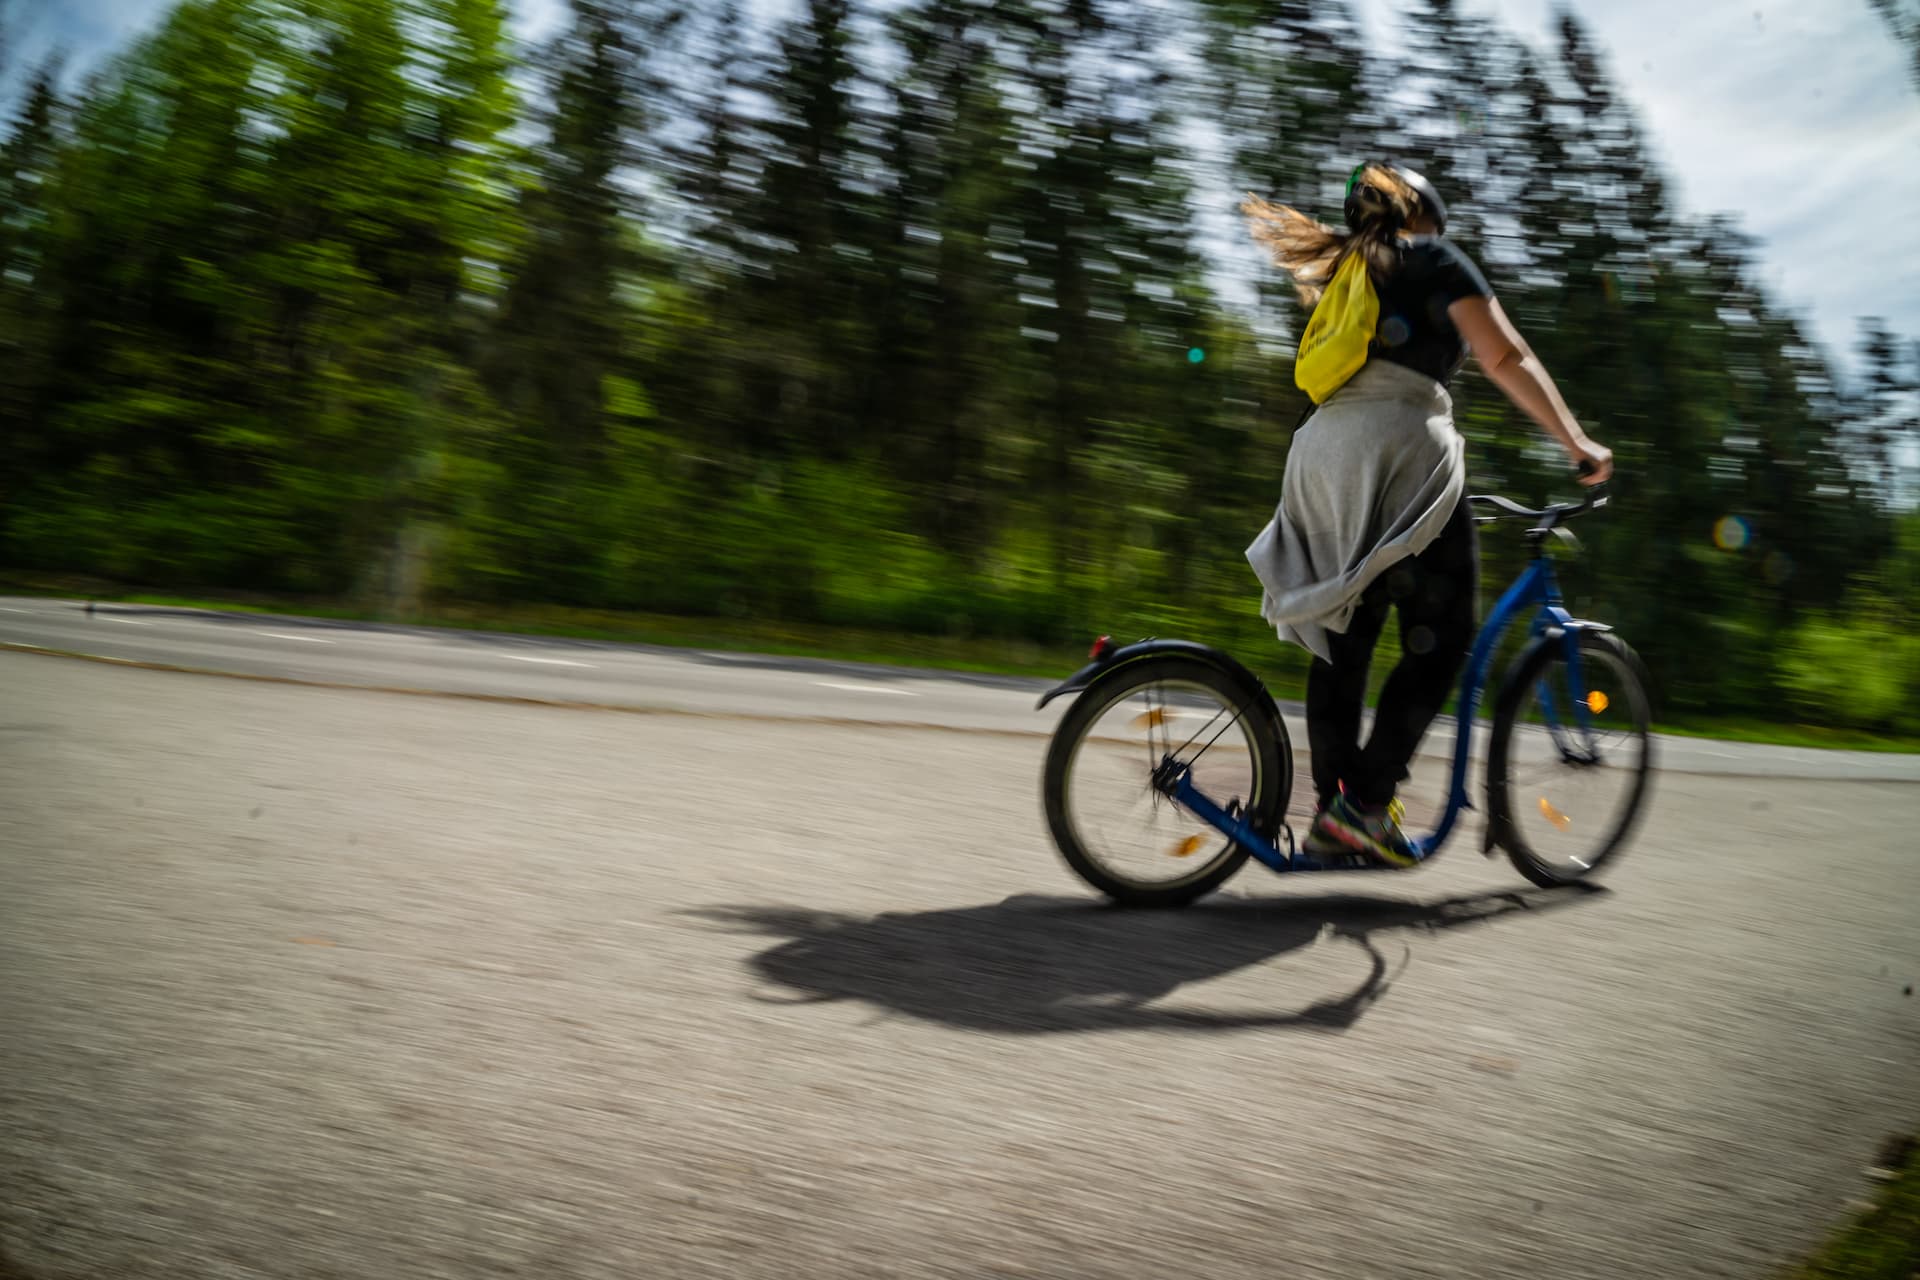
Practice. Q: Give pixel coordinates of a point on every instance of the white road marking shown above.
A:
(126, 622)
(866, 688)
(4, 609)
(287, 635)
(548, 662)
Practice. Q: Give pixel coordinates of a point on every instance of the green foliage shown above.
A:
(880, 317)
(1860, 665)
(1882, 1243)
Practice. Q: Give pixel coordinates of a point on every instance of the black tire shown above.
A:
(1266, 748)
(1633, 756)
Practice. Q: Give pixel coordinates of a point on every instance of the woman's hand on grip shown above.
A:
(1593, 461)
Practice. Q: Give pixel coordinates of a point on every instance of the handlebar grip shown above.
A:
(1586, 467)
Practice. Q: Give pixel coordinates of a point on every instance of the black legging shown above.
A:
(1435, 594)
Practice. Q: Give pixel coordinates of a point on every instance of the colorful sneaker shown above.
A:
(1375, 832)
(1322, 843)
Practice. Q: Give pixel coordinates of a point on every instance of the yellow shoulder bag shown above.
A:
(1334, 347)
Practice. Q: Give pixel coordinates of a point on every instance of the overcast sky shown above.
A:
(1800, 119)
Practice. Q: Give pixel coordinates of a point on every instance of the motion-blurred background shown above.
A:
(929, 319)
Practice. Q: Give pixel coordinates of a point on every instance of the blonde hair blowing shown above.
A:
(1311, 251)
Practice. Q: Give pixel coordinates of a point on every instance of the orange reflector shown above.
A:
(1188, 847)
(1553, 815)
(1150, 719)
(1597, 702)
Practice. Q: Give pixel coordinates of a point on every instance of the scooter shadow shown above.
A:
(1041, 964)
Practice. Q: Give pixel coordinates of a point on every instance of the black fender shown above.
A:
(1114, 659)
(1553, 633)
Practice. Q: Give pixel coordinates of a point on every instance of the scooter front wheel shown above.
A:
(1571, 757)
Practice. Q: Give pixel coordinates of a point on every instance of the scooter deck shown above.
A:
(1234, 825)
(1301, 862)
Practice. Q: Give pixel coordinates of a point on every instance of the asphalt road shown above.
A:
(637, 676)
(323, 982)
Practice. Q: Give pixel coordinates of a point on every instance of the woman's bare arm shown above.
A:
(1507, 359)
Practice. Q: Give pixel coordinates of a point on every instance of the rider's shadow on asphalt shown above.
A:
(1038, 964)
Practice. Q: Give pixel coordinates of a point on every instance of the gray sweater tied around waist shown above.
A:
(1371, 479)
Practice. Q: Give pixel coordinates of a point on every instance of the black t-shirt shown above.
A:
(1414, 329)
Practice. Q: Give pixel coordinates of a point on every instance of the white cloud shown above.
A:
(1798, 119)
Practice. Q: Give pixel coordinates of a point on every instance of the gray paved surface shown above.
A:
(302, 982)
(686, 680)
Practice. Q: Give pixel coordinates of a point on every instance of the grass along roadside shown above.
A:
(1883, 1242)
(1286, 680)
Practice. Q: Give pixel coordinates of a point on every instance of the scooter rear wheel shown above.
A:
(1115, 830)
